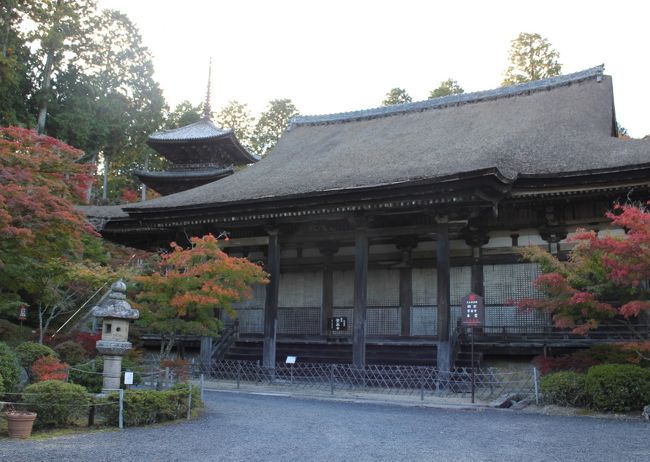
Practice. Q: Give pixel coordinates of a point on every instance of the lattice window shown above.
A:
(299, 321)
(343, 288)
(460, 283)
(382, 321)
(425, 286)
(300, 289)
(424, 320)
(251, 321)
(383, 287)
(514, 320)
(504, 283)
(257, 300)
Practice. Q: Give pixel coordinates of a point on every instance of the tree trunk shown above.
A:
(89, 192)
(107, 163)
(45, 91)
(143, 196)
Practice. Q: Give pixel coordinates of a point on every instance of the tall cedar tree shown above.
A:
(531, 57)
(190, 286)
(605, 276)
(446, 88)
(271, 124)
(396, 96)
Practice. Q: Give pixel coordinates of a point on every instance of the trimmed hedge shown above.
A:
(57, 403)
(28, 352)
(618, 387)
(143, 407)
(564, 389)
(9, 368)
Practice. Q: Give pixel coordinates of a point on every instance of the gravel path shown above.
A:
(247, 427)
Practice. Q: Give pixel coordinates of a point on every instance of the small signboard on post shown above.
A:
(473, 311)
(338, 324)
(472, 316)
(22, 312)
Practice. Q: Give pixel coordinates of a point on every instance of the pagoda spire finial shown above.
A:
(207, 110)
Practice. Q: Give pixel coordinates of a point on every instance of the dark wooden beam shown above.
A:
(405, 299)
(271, 302)
(406, 244)
(360, 297)
(327, 308)
(478, 286)
(443, 299)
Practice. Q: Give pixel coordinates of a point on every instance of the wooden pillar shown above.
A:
(205, 353)
(327, 304)
(443, 299)
(406, 244)
(405, 299)
(478, 285)
(360, 297)
(476, 239)
(271, 302)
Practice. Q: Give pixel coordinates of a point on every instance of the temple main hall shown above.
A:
(388, 217)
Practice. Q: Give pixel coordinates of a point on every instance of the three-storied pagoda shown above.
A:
(198, 153)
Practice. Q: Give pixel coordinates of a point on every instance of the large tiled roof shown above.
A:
(558, 125)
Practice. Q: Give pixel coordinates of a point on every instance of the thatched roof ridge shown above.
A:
(563, 124)
(452, 100)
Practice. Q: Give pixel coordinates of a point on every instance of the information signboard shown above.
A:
(339, 323)
(473, 311)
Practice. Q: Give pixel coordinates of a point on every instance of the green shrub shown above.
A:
(143, 407)
(9, 368)
(57, 403)
(618, 387)
(13, 334)
(89, 375)
(71, 352)
(564, 388)
(28, 352)
(2, 385)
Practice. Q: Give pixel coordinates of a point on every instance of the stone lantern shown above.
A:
(116, 314)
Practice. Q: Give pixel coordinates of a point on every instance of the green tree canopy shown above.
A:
(531, 57)
(396, 96)
(271, 124)
(15, 78)
(236, 116)
(446, 88)
(185, 113)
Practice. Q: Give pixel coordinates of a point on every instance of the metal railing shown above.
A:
(487, 383)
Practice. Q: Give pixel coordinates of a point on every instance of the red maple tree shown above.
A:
(606, 276)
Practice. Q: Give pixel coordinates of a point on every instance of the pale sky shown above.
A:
(336, 55)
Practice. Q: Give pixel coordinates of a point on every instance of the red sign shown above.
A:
(473, 311)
